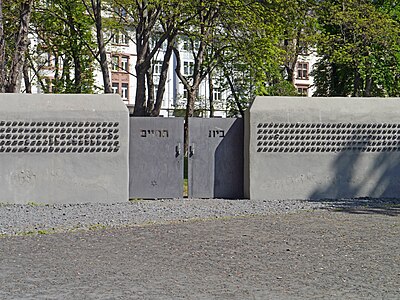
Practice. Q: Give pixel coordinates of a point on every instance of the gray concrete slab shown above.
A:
(215, 158)
(316, 148)
(63, 148)
(156, 157)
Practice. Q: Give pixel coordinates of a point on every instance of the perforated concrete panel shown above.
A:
(63, 148)
(317, 148)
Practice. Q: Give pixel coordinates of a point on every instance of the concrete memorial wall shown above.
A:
(322, 148)
(63, 148)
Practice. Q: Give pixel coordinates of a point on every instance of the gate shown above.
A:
(156, 157)
(215, 158)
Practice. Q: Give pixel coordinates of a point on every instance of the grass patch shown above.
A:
(36, 204)
(185, 188)
(97, 227)
(36, 232)
(392, 205)
(135, 200)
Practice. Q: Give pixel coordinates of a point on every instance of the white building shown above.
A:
(122, 58)
(303, 80)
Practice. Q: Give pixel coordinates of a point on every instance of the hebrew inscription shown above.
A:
(161, 133)
(328, 137)
(216, 133)
(58, 137)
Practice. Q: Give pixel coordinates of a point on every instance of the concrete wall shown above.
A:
(63, 148)
(316, 148)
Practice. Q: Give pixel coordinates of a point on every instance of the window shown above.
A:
(302, 70)
(124, 39)
(188, 68)
(217, 94)
(115, 88)
(115, 38)
(125, 63)
(188, 46)
(119, 38)
(124, 91)
(157, 67)
(185, 93)
(115, 63)
(302, 90)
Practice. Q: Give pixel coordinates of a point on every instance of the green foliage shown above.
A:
(254, 57)
(359, 45)
(281, 88)
(65, 33)
(252, 46)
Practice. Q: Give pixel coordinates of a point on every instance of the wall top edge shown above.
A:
(61, 102)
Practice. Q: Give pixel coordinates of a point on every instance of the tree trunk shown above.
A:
(27, 81)
(356, 84)
(290, 74)
(142, 65)
(140, 97)
(150, 89)
(96, 6)
(368, 86)
(14, 82)
(334, 86)
(189, 113)
(56, 80)
(2, 51)
(77, 74)
(77, 86)
(163, 77)
(233, 90)
(211, 94)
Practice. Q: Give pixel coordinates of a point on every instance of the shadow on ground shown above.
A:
(364, 206)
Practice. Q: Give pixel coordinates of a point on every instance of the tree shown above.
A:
(94, 9)
(359, 45)
(154, 23)
(64, 31)
(256, 61)
(203, 39)
(14, 22)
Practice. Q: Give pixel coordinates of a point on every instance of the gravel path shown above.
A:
(348, 252)
(33, 219)
(25, 219)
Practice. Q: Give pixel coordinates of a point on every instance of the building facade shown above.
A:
(121, 53)
(122, 58)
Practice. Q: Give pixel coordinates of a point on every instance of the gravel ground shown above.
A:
(202, 249)
(348, 251)
(33, 218)
(25, 219)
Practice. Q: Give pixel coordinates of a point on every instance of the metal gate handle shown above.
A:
(178, 150)
(191, 150)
